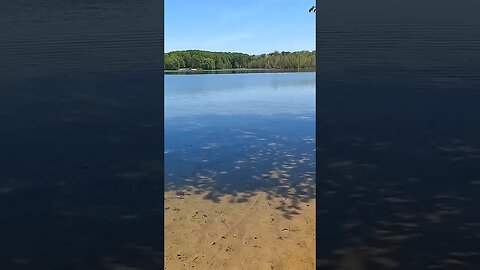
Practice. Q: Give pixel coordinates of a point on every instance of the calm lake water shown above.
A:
(81, 135)
(398, 135)
(81, 139)
(233, 128)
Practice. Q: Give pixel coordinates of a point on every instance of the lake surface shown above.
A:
(398, 135)
(81, 135)
(234, 128)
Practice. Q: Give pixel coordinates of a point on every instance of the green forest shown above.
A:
(228, 60)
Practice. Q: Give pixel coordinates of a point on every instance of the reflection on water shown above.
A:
(240, 154)
(398, 148)
(241, 134)
(239, 94)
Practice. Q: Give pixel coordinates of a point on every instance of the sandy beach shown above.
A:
(232, 233)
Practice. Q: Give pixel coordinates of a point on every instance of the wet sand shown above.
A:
(254, 234)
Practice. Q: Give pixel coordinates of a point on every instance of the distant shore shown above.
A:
(209, 60)
(236, 70)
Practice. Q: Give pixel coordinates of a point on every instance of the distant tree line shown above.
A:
(227, 60)
(284, 60)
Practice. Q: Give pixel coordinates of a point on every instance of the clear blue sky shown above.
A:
(249, 26)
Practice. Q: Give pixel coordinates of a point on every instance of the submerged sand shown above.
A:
(226, 234)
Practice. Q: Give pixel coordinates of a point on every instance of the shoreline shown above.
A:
(203, 234)
(236, 70)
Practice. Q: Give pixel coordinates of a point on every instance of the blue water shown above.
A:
(81, 135)
(398, 135)
(234, 129)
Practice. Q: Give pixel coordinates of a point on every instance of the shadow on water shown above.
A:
(385, 193)
(64, 200)
(398, 149)
(80, 104)
(241, 156)
(398, 179)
